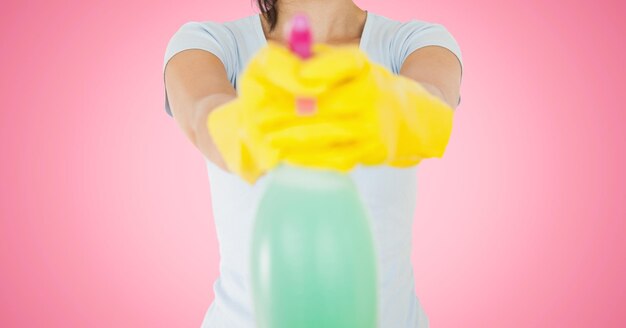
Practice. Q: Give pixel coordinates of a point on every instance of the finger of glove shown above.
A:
(259, 81)
(329, 66)
(278, 66)
(348, 101)
(314, 135)
(269, 120)
(333, 64)
(341, 157)
(269, 104)
(354, 97)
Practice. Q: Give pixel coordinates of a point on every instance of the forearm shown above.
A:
(435, 91)
(202, 139)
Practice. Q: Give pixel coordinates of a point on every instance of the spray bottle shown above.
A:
(313, 260)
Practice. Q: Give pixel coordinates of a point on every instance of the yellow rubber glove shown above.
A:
(364, 114)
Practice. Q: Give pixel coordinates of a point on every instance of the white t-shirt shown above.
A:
(389, 194)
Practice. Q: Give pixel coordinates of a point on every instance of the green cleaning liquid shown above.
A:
(312, 260)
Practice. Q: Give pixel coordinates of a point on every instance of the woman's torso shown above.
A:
(389, 194)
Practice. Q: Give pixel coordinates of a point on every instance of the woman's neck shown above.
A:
(333, 21)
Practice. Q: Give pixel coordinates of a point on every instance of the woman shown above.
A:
(202, 63)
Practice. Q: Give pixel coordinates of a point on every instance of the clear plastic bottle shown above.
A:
(312, 260)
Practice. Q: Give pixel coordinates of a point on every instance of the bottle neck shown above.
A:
(312, 178)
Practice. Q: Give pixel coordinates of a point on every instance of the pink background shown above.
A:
(105, 206)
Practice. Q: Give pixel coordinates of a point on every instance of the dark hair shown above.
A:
(270, 11)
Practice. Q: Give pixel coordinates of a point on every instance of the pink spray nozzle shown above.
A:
(300, 43)
(300, 39)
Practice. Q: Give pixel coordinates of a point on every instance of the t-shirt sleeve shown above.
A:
(209, 36)
(415, 34)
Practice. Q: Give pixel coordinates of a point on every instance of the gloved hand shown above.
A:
(363, 114)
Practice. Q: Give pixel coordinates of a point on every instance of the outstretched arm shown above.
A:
(196, 83)
(438, 70)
